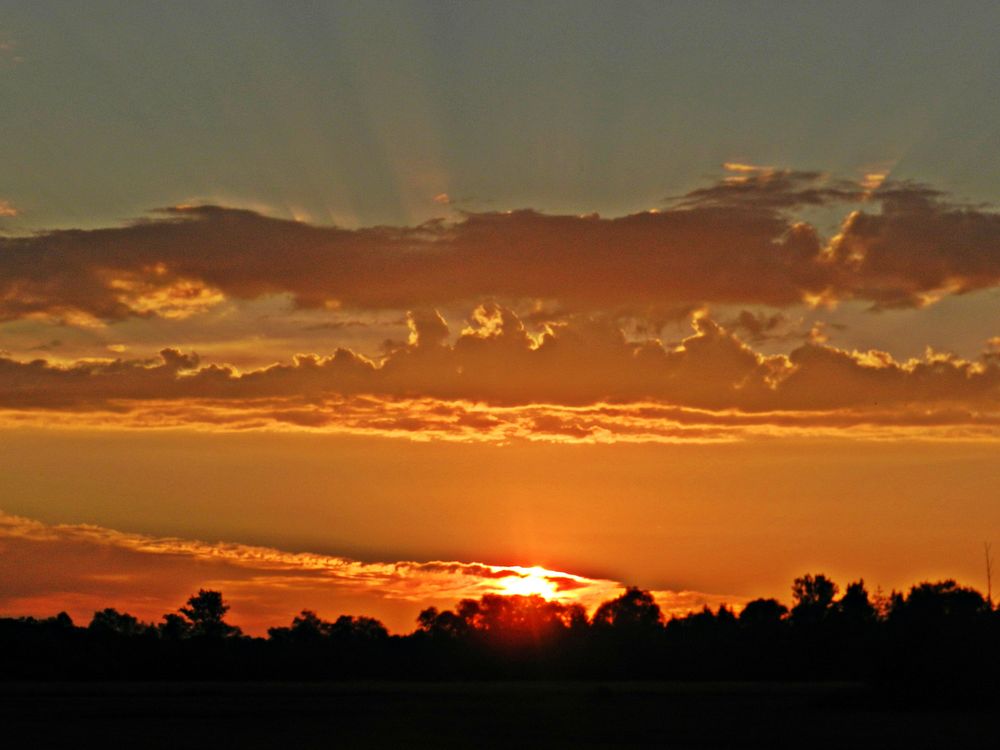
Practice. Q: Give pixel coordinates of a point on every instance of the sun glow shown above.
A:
(534, 581)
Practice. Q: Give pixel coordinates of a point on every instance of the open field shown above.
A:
(447, 715)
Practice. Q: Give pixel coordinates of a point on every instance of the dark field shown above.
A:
(446, 715)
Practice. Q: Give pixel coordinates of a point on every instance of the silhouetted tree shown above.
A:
(348, 628)
(112, 622)
(205, 613)
(635, 610)
(938, 637)
(940, 604)
(763, 614)
(725, 617)
(445, 624)
(628, 635)
(174, 627)
(508, 619)
(855, 608)
(61, 620)
(940, 634)
(813, 597)
(307, 627)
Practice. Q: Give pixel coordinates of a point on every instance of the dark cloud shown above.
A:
(774, 189)
(47, 346)
(757, 326)
(917, 249)
(735, 242)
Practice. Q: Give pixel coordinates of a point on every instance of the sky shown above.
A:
(364, 307)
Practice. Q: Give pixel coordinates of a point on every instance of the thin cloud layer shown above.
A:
(83, 568)
(739, 241)
(581, 380)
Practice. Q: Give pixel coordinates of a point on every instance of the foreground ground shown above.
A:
(452, 715)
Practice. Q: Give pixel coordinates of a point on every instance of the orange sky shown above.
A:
(697, 297)
(732, 521)
(673, 399)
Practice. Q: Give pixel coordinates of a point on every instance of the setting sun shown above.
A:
(534, 581)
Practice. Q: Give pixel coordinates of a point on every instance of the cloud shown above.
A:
(738, 241)
(917, 249)
(83, 568)
(7, 209)
(581, 380)
(756, 188)
(46, 346)
(759, 326)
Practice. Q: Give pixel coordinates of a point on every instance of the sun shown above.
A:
(534, 581)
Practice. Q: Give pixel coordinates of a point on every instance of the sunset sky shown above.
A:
(364, 307)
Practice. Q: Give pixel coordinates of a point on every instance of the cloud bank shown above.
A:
(741, 240)
(562, 342)
(581, 380)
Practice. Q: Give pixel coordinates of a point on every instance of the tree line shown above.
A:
(937, 635)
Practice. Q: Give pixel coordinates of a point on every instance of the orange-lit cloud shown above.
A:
(579, 381)
(738, 241)
(82, 568)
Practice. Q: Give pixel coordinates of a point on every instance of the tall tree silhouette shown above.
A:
(635, 610)
(205, 612)
(855, 607)
(813, 597)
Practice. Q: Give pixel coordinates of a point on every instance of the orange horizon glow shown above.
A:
(147, 576)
